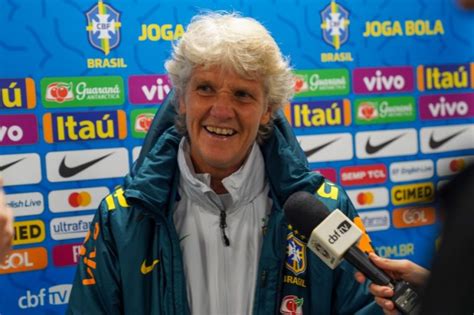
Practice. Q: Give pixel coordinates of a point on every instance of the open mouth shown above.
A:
(224, 132)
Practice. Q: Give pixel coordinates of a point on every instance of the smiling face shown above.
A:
(223, 115)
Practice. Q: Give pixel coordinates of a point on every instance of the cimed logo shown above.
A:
(335, 24)
(103, 26)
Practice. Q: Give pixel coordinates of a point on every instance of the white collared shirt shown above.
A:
(221, 280)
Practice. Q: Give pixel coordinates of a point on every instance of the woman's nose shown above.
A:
(222, 107)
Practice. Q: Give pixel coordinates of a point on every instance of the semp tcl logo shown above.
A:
(55, 295)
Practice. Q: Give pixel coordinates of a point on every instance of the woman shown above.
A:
(198, 226)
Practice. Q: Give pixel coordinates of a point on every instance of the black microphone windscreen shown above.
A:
(304, 212)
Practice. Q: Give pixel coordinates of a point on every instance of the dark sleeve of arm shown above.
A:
(350, 296)
(97, 288)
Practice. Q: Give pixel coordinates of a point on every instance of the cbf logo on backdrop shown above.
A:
(103, 28)
(335, 31)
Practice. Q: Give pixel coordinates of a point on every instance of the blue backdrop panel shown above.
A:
(384, 106)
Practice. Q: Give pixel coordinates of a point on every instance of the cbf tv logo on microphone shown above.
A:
(333, 237)
(341, 229)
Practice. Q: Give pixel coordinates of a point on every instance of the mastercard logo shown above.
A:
(365, 198)
(79, 199)
(457, 165)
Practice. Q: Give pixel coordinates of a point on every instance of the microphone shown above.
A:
(332, 236)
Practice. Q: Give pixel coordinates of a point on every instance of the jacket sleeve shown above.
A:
(96, 288)
(350, 296)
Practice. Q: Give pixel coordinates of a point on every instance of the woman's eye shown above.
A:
(243, 95)
(204, 88)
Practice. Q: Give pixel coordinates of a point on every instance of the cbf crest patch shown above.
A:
(296, 255)
(335, 24)
(103, 26)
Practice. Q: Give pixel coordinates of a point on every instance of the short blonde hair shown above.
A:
(244, 45)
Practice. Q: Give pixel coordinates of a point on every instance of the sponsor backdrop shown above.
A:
(384, 106)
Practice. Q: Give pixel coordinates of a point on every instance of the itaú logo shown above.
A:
(55, 295)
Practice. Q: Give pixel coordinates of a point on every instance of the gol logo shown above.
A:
(79, 199)
(28, 232)
(25, 259)
(365, 198)
(413, 217)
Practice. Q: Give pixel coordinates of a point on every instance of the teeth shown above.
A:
(220, 131)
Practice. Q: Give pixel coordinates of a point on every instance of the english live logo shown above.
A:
(103, 28)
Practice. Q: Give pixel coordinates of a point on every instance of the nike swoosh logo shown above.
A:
(371, 149)
(434, 144)
(312, 151)
(66, 171)
(144, 269)
(4, 167)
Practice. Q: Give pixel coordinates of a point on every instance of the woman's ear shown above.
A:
(267, 115)
(181, 105)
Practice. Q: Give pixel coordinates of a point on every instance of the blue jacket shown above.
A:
(131, 261)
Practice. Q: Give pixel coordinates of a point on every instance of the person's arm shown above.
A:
(96, 288)
(398, 270)
(6, 225)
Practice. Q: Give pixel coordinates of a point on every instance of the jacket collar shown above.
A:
(242, 186)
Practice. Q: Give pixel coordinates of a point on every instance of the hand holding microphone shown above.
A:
(334, 237)
(399, 270)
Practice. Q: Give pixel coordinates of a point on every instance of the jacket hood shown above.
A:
(153, 179)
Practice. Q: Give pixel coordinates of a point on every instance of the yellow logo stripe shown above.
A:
(147, 269)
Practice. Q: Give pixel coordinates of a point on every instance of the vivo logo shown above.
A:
(443, 108)
(148, 89)
(382, 80)
(446, 106)
(18, 129)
